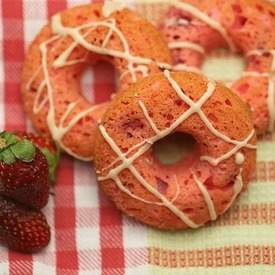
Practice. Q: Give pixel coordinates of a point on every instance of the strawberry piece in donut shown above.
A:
(195, 28)
(74, 39)
(195, 189)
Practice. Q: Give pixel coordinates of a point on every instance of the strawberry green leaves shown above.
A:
(7, 156)
(53, 160)
(23, 150)
(9, 138)
(12, 148)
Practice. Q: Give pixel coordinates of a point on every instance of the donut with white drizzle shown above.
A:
(197, 188)
(74, 39)
(195, 28)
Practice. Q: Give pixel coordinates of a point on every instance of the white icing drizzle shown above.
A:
(183, 22)
(208, 200)
(73, 62)
(129, 193)
(144, 70)
(239, 145)
(61, 60)
(33, 77)
(255, 74)
(183, 67)
(127, 153)
(149, 119)
(261, 52)
(38, 103)
(198, 14)
(186, 45)
(59, 131)
(173, 21)
(237, 188)
(110, 23)
(145, 145)
(271, 84)
(239, 158)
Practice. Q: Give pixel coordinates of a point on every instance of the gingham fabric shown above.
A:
(89, 236)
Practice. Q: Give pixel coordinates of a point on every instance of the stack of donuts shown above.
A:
(162, 93)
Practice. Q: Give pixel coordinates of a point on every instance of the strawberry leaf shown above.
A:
(23, 150)
(53, 160)
(7, 156)
(10, 138)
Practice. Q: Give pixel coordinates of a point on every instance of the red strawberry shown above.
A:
(22, 229)
(48, 149)
(23, 171)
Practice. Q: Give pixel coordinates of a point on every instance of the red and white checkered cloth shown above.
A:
(89, 236)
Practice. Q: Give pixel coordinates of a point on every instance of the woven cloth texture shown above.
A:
(89, 236)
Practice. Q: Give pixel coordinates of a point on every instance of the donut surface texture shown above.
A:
(197, 188)
(71, 41)
(195, 28)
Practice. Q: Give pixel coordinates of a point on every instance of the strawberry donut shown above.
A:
(74, 39)
(194, 28)
(195, 189)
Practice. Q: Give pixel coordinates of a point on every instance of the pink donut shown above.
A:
(196, 188)
(73, 39)
(194, 28)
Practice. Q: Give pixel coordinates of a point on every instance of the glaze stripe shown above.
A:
(186, 45)
(236, 149)
(147, 116)
(208, 200)
(183, 67)
(237, 189)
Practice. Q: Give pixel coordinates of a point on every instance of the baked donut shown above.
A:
(194, 28)
(197, 188)
(74, 39)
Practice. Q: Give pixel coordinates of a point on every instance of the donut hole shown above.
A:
(87, 84)
(98, 82)
(223, 65)
(174, 148)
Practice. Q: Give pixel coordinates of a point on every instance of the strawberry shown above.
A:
(21, 228)
(47, 147)
(23, 171)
